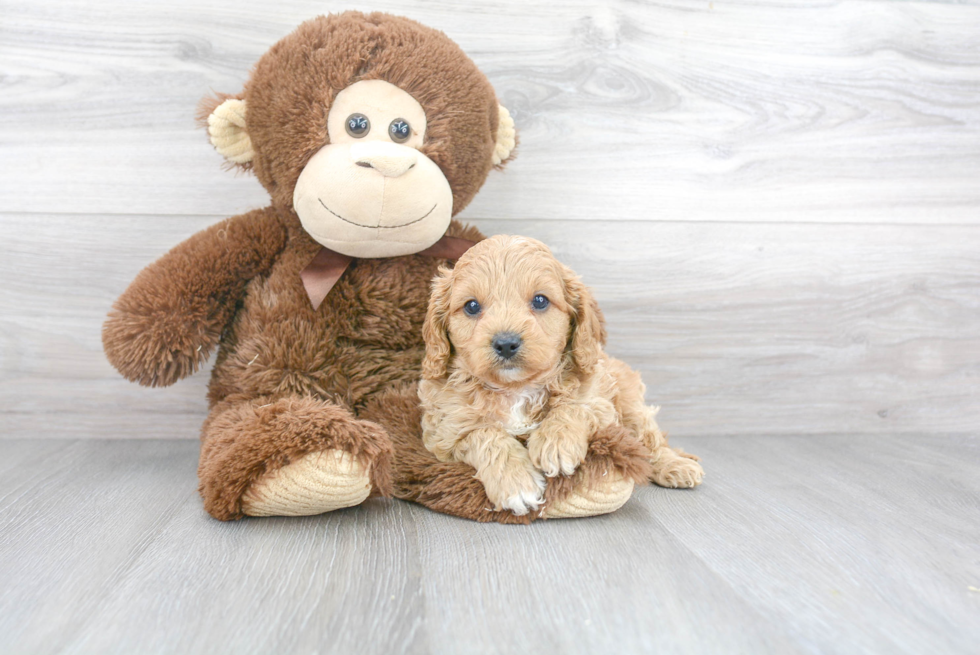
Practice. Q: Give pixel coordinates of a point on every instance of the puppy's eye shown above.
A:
(358, 125)
(399, 130)
(540, 302)
(472, 308)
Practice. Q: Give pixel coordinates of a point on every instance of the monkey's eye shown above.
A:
(399, 130)
(358, 125)
(540, 302)
(472, 307)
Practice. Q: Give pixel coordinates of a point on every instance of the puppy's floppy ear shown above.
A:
(588, 325)
(435, 331)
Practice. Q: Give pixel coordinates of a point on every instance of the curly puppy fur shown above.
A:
(451, 488)
(515, 381)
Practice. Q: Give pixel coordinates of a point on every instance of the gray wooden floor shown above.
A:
(815, 545)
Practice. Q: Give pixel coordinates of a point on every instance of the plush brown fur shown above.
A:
(293, 85)
(173, 314)
(290, 380)
(538, 409)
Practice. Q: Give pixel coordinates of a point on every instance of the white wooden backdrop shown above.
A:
(778, 204)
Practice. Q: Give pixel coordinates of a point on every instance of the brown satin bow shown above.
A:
(327, 267)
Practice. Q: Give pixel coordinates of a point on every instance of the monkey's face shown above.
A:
(370, 192)
(370, 129)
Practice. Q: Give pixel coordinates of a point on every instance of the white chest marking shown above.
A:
(519, 422)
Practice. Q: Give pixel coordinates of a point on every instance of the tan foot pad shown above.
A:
(318, 482)
(607, 496)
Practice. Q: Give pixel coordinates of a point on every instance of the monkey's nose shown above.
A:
(506, 344)
(389, 159)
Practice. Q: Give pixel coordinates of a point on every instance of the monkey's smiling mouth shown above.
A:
(380, 227)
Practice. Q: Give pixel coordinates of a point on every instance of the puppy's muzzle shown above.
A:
(506, 344)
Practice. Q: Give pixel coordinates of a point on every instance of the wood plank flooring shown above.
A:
(792, 545)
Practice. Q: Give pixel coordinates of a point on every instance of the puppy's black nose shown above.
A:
(506, 344)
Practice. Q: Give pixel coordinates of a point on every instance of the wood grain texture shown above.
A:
(754, 189)
(792, 545)
(737, 328)
(859, 111)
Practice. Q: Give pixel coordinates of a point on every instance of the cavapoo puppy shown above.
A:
(515, 382)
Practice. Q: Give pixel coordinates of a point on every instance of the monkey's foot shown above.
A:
(603, 496)
(318, 482)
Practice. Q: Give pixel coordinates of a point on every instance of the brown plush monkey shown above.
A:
(369, 132)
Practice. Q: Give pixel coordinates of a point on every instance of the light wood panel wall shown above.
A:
(778, 205)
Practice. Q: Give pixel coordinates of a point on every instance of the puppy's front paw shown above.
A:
(556, 454)
(519, 488)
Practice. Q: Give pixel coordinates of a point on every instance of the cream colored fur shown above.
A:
(536, 413)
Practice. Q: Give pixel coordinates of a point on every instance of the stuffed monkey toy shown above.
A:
(370, 132)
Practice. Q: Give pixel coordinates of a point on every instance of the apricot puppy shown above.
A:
(515, 381)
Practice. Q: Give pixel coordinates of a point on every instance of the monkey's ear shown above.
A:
(225, 120)
(506, 141)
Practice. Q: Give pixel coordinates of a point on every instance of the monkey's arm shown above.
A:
(165, 325)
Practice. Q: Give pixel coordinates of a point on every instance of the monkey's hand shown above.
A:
(165, 325)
